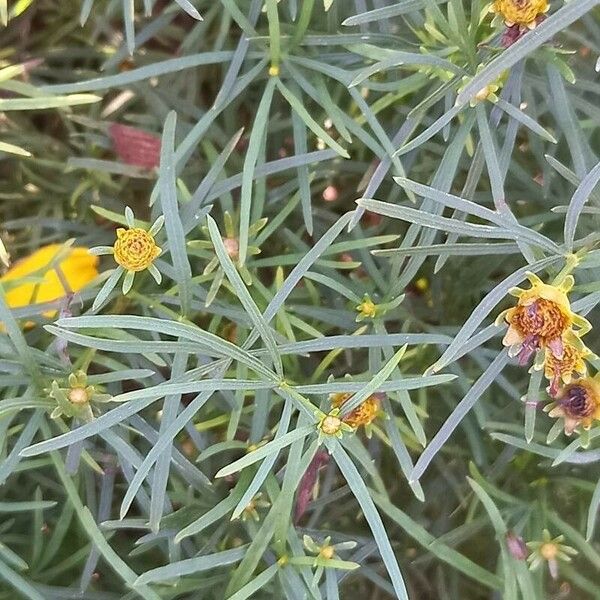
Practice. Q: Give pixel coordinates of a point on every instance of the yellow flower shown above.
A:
(135, 249)
(367, 309)
(520, 12)
(364, 414)
(563, 369)
(75, 264)
(577, 404)
(540, 319)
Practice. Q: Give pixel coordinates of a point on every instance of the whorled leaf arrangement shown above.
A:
(321, 214)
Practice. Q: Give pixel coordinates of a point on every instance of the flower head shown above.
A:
(326, 550)
(549, 550)
(134, 250)
(524, 13)
(76, 398)
(364, 414)
(563, 369)
(205, 249)
(251, 509)
(540, 319)
(577, 404)
(367, 309)
(51, 272)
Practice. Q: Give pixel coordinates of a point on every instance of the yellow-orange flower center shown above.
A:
(78, 395)
(549, 550)
(331, 425)
(327, 552)
(363, 414)
(543, 318)
(520, 12)
(135, 249)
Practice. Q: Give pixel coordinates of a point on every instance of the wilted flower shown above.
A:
(578, 404)
(41, 270)
(549, 550)
(308, 484)
(135, 146)
(364, 414)
(563, 369)
(524, 13)
(332, 425)
(76, 399)
(134, 250)
(540, 319)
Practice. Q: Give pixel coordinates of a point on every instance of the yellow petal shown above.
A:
(78, 268)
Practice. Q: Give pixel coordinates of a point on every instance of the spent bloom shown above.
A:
(562, 369)
(367, 309)
(578, 404)
(516, 546)
(251, 509)
(524, 13)
(326, 550)
(549, 550)
(542, 318)
(134, 250)
(363, 415)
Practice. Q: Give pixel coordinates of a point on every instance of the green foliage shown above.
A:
(299, 388)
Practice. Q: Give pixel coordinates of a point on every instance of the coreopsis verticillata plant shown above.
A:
(549, 550)
(134, 251)
(203, 248)
(577, 404)
(542, 318)
(421, 148)
(77, 399)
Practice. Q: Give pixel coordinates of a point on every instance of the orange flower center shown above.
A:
(520, 12)
(543, 319)
(135, 249)
(364, 414)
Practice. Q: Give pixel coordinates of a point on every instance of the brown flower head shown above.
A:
(563, 369)
(577, 404)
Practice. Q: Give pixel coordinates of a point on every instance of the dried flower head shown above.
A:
(540, 319)
(326, 550)
(135, 146)
(562, 369)
(524, 13)
(549, 550)
(577, 404)
(364, 414)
